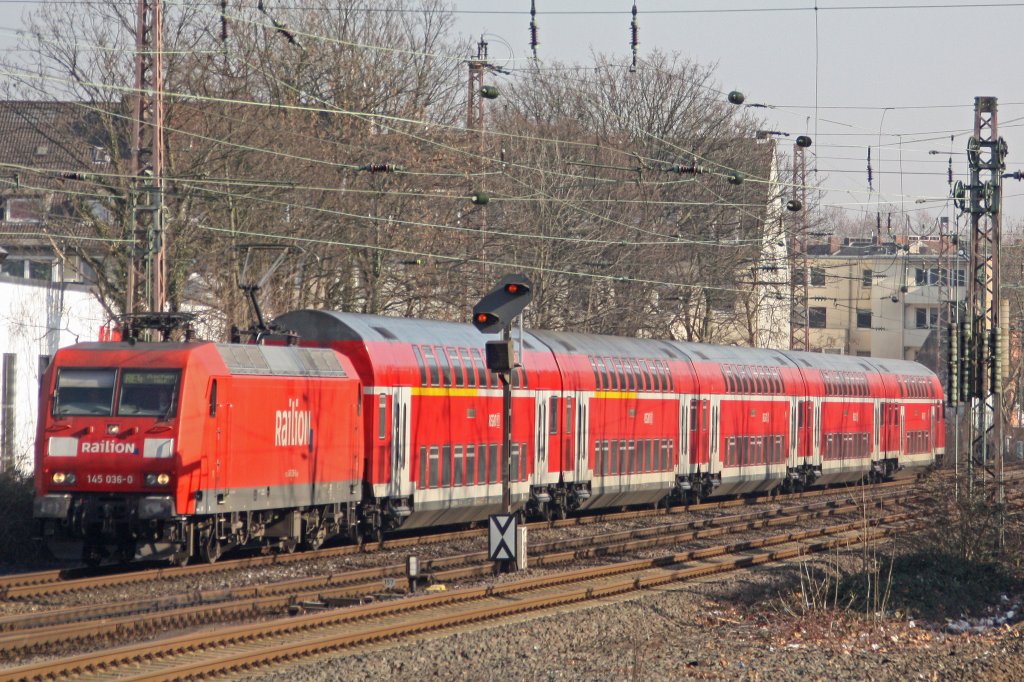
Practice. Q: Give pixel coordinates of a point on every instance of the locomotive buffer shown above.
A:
(493, 314)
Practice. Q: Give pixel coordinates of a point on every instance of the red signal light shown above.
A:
(512, 288)
(483, 318)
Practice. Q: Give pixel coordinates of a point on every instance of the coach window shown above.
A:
(523, 463)
(613, 378)
(668, 375)
(553, 414)
(568, 415)
(382, 416)
(459, 464)
(419, 362)
(602, 374)
(446, 368)
(446, 466)
(494, 475)
(453, 356)
(643, 382)
(593, 368)
(434, 468)
(213, 398)
(727, 375)
(514, 462)
(467, 362)
(628, 380)
(651, 368)
(435, 373)
(481, 465)
(470, 464)
(423, 467)
(624, 454)
(481, 370)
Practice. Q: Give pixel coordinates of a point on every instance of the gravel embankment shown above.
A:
(740, 628)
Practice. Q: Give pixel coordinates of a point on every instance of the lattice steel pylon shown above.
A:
(147, 162)
(799, 324)
(986, 156)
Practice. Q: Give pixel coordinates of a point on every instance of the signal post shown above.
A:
(495, 313)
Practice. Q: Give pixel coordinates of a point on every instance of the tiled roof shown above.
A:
(52, 135)
(38, 142)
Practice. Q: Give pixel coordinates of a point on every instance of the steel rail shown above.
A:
(194, 646)
(29, 585)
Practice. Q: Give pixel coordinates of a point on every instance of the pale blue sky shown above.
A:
(899, 55)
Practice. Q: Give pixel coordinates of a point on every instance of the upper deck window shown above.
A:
(84, 392)
(148, 393)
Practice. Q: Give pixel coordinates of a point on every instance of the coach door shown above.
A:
(398, 482)
(805, 428)
(903, 430)
(581, 440)
(218, 467)
(699, 431)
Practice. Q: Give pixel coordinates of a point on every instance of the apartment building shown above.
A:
(882, 298)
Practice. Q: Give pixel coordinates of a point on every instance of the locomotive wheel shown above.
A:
(561, 512)
(211, 550)
(315, 538)
(288, 546)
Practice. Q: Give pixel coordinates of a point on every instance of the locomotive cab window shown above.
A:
(146, 393)
(84, 392)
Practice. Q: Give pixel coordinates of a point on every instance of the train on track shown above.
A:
(180, 450)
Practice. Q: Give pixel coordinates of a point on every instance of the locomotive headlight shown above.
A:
(58, 477)
(150, 479)
(163, 479)
(70, 478)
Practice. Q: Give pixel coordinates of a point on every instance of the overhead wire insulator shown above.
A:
(736, 97)
(634, 32)
(380, 168)
(480, 198)
(803, 141)
(869, 169)
(735, 178)
(692, 169)
(489, 92)
(795, 205)
(953, 366)
(223, 20)
(533, 28)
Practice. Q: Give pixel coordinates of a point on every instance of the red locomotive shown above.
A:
(396, 423)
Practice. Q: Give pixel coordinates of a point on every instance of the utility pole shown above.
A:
(799, 326)
(478, 92)
(986, 156)
(147, 162)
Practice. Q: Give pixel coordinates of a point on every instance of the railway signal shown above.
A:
(502, 304)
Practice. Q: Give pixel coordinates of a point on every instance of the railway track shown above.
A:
(251, 646)
(57, 581)
(52, 632)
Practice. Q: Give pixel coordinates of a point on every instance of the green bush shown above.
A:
(16, 524)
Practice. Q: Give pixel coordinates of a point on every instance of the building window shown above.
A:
(926, 318)
(816, 318)
(818, 277)
(799, 276)
(863, 319)
(863, 354)
(920, 276)
(866, 278)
